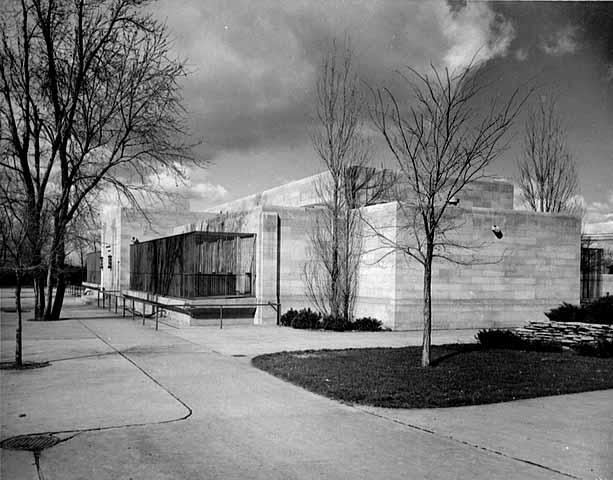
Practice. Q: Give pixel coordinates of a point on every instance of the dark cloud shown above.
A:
(254, 64)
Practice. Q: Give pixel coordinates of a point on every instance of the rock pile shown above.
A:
(566, 333)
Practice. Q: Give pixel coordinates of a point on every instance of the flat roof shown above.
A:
(203, 236)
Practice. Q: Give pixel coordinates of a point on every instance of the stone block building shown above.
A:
(534, 266)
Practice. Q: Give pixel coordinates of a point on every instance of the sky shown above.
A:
(253, 66)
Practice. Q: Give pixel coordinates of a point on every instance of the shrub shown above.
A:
(287, 318)
(306, 319)
(367, 324)
(599, 311)
(510, 340)
(491, 338)
(338, 324)
(565, 313)
(602, 349)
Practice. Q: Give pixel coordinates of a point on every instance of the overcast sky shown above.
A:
(253, 67)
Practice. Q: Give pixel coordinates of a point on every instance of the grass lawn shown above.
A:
(460, 375)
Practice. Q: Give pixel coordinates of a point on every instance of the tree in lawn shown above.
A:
(548, 177)
(442, 140)
(16, 248)
(336, 240)
(90, 101)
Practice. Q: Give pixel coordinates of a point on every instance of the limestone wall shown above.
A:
(298, 193)
(487, 193)
(534, 267)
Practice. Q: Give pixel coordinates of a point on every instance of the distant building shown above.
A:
(251, 252)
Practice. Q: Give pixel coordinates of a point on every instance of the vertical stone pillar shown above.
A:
(266, 267)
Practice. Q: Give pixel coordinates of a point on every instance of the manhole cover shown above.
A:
(34, 443)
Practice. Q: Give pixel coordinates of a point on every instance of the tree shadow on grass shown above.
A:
(457, 349)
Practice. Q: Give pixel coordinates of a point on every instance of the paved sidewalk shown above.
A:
(186, 403)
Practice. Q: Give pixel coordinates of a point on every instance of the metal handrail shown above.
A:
(157, 306)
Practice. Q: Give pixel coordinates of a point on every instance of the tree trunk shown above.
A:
(427, 334)
(49, 299)
(58, 301)
(18, 336)
(39, 294)
(335, 304)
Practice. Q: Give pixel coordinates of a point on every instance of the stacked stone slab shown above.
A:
(566, 333)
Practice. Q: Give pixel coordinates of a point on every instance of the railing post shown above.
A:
(221, 316)
(143, 313)
(123, 300)
(132, 309)
(157, 311)
(103, 300)
(116, 298)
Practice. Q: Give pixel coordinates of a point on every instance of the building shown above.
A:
(249, 255)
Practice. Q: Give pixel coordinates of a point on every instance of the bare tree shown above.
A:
(442, 141)
(89, 101)
(548, 177)
(331, 278)
(16, 248)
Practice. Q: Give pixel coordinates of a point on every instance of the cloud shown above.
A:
(561, 42)
(599, 216)
(207, 192)
(254, 64)
(521, 55)
(194, 187)
(477, 34)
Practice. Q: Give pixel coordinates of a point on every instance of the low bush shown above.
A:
(306, 319)
(598, 311)
(508, 339)
(491, 338)
(287, 318)
(601, 349)
(367, 324)
(565, 313)
(338, 324)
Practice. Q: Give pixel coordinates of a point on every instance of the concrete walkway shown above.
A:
(186, 403)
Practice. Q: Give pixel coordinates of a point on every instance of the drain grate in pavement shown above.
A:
(239, 355)
(34, 443)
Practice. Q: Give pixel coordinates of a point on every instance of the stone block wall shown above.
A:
(506, 282)
(486, 193)
(298, 193)
(378, 279)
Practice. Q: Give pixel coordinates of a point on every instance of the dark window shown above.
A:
(110, 262)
